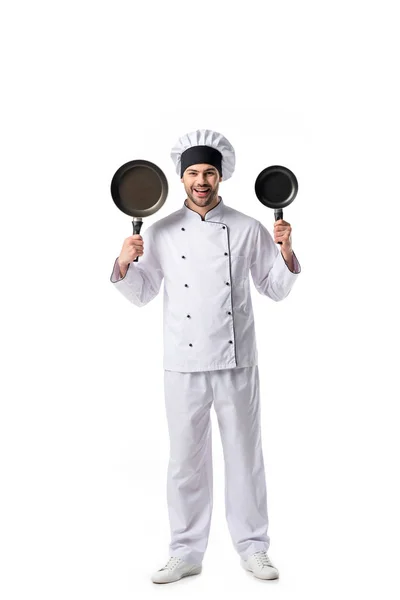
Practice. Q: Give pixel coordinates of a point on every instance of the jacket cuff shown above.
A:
(282, 275)
(296, 264)
(132, 280)
(116, 275)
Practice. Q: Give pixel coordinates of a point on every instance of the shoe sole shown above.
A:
(195, 571)
(246, 568)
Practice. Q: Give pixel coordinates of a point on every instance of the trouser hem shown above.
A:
(254, 547)
(192, 558)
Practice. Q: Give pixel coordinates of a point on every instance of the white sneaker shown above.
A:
(175, 569)
(260, 565)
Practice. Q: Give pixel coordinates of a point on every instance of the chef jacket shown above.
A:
(208, 320)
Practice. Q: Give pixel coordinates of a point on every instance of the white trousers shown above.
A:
(188, 399)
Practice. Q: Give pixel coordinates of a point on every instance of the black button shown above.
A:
(188, 316)
(190, 344)
(186, 285)
(183, 256)
(230, 341)
(227, 283)
(226, 254)
(223, 227)
(182, 228)
(229, 312)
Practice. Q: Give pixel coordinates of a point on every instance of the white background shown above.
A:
(84, 445)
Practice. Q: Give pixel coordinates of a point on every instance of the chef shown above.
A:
(204, 252)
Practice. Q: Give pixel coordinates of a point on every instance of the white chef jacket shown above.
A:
(208, 320)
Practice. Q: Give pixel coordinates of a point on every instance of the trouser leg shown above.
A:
(188, 399)
(237, 405)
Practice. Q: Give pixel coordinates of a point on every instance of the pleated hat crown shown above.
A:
(200, 139)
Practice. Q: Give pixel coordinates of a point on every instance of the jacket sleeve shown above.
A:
(142, 280)
(271, 275)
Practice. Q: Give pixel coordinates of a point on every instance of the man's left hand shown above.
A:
(282, 233)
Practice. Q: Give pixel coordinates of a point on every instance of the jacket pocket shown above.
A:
(239, 267)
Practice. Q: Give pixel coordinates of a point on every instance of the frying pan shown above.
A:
(139, 188)
(276, 187)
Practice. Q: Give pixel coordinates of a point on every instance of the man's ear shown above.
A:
(182, 179)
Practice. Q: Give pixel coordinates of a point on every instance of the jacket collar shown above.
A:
(215, 214)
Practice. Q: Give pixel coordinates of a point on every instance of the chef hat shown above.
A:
(204, 146)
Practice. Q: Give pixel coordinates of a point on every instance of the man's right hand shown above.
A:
(132, 247)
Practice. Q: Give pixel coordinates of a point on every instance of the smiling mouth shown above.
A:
(202, 193)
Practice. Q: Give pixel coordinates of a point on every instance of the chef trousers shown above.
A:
(188, 400)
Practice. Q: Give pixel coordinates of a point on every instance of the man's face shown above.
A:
(201, 184)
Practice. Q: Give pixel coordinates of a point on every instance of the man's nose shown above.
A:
(201, 179)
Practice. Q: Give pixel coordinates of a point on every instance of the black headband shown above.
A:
(197, 155)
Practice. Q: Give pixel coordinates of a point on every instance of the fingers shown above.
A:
(282, 231)
(135, 241)
(281, 224)
(133, 246)
(138, 247)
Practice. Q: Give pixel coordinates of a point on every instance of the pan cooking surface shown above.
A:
(277, 187)
(141, 184)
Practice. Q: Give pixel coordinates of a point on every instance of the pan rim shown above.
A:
(260, 181)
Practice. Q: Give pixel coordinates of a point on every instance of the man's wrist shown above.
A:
(287, 252)
(123, 267)
(288, 257)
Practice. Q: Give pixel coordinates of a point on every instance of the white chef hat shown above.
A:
(204, 146)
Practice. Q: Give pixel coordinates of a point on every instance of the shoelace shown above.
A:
(262, 558)
(172, 563)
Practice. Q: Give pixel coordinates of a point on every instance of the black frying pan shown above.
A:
(276, 187)
(139, 188)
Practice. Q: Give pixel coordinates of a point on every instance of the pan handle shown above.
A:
(137, 225)
(278, 212)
